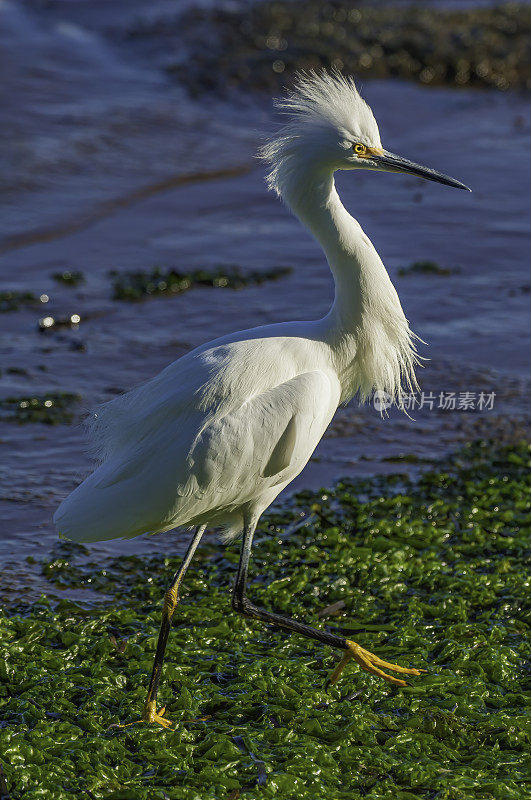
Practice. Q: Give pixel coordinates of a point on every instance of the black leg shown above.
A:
(171, 598)
(352, 651)
(241, 604)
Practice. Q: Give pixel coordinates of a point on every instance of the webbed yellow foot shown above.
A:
(370, 663)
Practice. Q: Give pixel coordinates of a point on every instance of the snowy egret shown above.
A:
(218, 434)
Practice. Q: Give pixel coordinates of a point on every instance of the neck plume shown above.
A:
(373, 346)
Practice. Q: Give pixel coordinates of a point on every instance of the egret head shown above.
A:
(331, 127)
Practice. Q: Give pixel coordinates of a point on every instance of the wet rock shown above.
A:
(51, 323)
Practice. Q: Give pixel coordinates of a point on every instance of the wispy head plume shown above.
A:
(323, 108)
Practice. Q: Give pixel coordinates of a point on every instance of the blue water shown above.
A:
(89, 120)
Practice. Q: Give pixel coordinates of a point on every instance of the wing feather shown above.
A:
(282, 453)
(176, 464)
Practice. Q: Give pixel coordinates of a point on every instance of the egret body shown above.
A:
(216, 436)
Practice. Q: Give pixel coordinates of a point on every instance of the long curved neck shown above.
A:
(361, 280)
(371, 343)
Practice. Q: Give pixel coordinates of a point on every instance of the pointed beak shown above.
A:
(388, 162)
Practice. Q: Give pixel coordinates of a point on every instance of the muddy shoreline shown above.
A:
(260, 47)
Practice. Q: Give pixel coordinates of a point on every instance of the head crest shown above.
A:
(332, 98)
(323, 109)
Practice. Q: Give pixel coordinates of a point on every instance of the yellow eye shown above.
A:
(359, 149)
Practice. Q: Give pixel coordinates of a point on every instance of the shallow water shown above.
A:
(109, 166)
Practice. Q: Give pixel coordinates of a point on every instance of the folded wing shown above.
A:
(205, 468)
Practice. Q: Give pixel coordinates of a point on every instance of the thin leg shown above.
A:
(367, 661)
(241, 604)
(171, 598)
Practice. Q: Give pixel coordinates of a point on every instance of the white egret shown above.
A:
(218, 434)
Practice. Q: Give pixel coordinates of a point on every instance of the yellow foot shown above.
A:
(151, 715)
(370, 663)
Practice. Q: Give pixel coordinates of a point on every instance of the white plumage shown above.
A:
(227, 425)
(220, 432)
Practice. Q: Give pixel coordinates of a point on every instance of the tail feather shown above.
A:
(104, 508)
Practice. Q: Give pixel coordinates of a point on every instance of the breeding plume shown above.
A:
(214, 438)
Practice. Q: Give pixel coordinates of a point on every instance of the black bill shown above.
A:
(391, 163)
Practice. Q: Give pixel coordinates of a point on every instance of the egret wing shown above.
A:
(200, 465)
(266, 441)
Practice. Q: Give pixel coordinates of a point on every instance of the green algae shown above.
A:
(11, 300)
(69, 277)
(429, 573)
(51, 408)
(138, 284)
